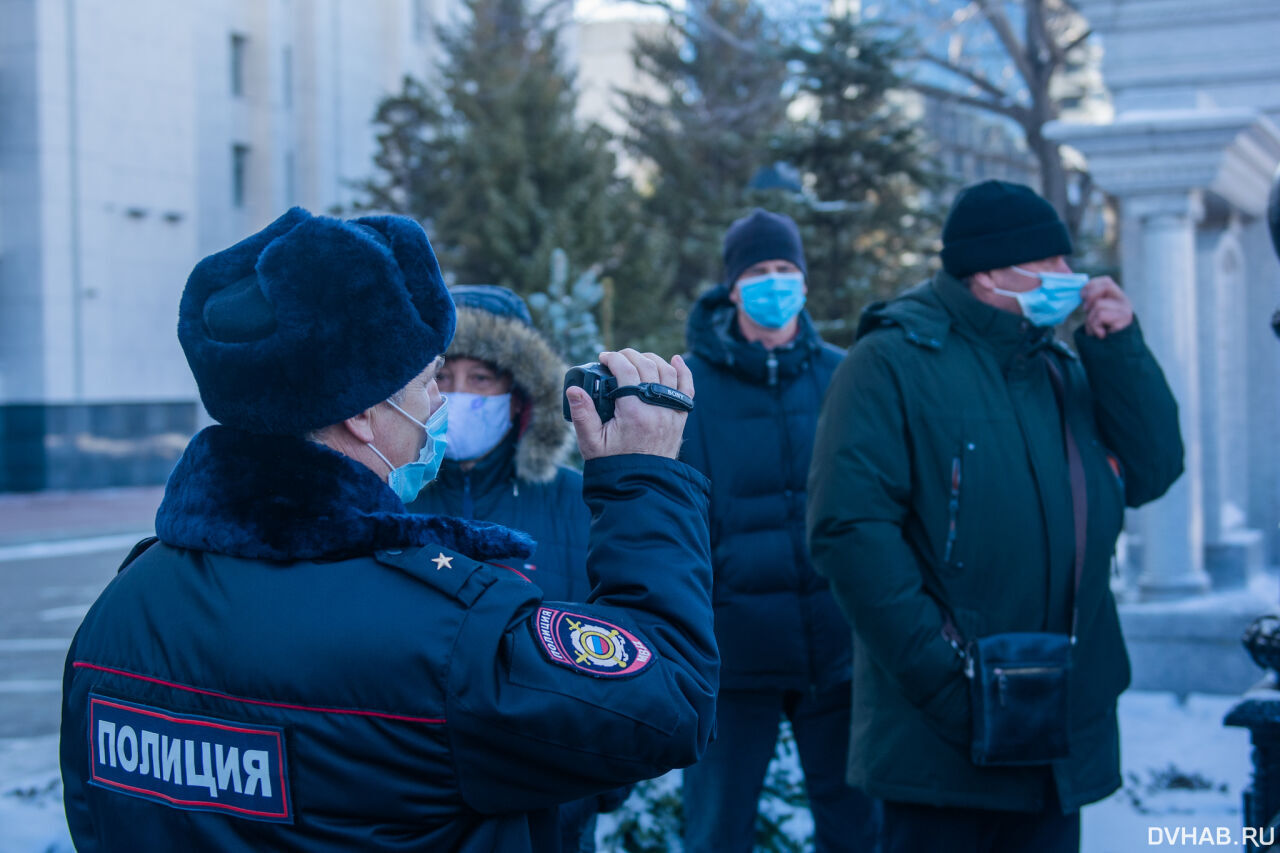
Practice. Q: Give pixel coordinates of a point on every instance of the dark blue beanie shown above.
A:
(761, 236)
(497, 300)
(997, 224)
(313, 320)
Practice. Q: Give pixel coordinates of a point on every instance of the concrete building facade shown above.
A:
(131, 145)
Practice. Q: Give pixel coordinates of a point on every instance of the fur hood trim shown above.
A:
(283, 498)
(507, 343)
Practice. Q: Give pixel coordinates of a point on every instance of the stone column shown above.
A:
(1173, 527)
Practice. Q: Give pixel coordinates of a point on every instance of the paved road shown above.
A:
(46, 590)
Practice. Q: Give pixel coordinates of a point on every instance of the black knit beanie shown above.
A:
(997, 224)
(761, 236)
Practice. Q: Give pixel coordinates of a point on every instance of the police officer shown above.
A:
(300, 663)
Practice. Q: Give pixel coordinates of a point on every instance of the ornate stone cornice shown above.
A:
(1110, 16)
(1168, 206)
(1231, 153)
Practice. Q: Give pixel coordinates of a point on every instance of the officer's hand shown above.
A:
(1107, 308)
(636, 427)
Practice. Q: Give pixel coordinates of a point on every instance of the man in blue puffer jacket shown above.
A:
(762, 370)
(299, 663)
(507, 444)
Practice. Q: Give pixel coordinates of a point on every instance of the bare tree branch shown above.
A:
(1017, 52)
(967, 73)
(679, 18)
(1013, 111)
(1075, 42)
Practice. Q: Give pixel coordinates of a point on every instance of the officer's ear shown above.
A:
(361, 426)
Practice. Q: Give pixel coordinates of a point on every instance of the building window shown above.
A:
(239, 173)
(237, 64)
(286, 77)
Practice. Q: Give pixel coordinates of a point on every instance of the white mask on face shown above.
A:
(477, 423)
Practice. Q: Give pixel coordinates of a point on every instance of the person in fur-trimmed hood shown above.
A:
(508, 442)
(298, 663)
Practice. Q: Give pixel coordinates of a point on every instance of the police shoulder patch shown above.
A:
(589, 645)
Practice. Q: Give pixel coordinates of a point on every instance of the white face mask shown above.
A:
(477, 423)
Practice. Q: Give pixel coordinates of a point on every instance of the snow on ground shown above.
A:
(1184, 773)
(1182, 769)
(31, 797)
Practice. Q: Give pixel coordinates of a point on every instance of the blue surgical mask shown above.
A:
(1053, 301)
(407, 480)
(478, 423)
(772, 300)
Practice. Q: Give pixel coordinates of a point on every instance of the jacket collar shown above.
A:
(285, 498)
(1005, 333)
(491, 470)
(713, 334)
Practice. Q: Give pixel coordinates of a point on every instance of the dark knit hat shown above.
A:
(997, 224)
(494, 298)
(313, 320)
(761, 236)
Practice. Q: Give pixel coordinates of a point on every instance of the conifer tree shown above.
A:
(701, 135)
(869, 185)
(406, 161)
(497, 165)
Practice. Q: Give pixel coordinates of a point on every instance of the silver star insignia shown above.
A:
(443, 562)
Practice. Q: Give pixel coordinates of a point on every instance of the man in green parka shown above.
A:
(940, 486)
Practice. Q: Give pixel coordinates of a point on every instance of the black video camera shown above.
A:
(596, 380)
(602, 386)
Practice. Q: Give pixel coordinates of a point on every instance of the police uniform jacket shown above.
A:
(300, 664)
(752, 433)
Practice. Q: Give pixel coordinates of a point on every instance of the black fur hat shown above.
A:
(313, 320)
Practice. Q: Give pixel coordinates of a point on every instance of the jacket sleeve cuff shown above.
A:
(1122, 344)
(603, 470)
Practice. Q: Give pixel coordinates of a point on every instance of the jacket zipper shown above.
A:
(468, 506)
(771, 363)
(1003, 674)
(953, 510)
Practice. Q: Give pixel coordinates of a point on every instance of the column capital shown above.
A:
(1172, 207)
